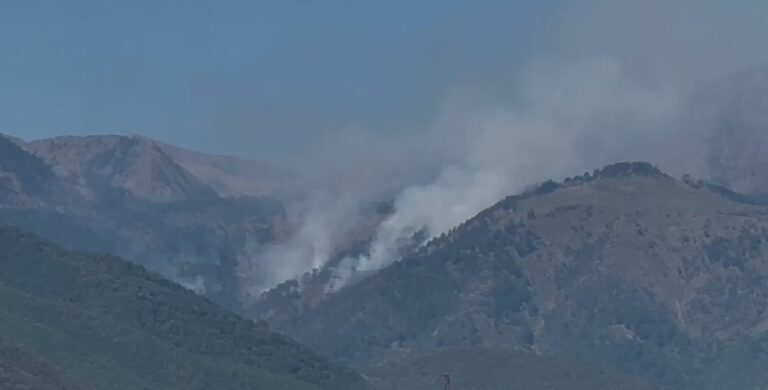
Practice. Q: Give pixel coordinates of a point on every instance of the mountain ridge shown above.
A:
(20, 174)
(232, 176)
(127, 196)
(626, 266)
(227, 176)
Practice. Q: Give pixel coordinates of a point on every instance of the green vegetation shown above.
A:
(485, 369)
(113, 325)
(155, 213)
(22, 370)
(624, 266)
(189, 239)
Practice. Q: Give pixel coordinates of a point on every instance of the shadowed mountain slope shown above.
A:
(111, 324)
(25, 180)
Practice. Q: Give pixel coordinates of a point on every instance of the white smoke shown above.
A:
(616, 90)
(565, 121)
(318, 221)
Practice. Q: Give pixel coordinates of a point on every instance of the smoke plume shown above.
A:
(617, 86)
(565, 121)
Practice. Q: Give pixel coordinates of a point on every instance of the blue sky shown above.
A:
(268, 79)
(254, 78)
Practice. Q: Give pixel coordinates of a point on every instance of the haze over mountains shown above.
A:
(625, 266)
(72, 199)
(128, 196)
(557, 195)
(659, 280)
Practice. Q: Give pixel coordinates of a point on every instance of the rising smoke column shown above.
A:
(567, 120)
(611, 91)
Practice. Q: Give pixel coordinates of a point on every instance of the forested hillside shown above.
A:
(113, 325)
(624, 266)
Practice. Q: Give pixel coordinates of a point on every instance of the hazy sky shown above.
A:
(258, 78)
(269, 79)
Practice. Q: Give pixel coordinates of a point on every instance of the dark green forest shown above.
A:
(109, 324)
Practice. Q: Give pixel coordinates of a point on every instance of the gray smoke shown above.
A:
(620, 83)
(565, 121)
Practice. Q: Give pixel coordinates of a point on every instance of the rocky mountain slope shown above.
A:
(626, 266)
(25, 180)
(128, 196)
(232, 176)
(102, 165)
(156, 171)
(109, 324)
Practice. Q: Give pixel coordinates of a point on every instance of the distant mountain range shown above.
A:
(231, 176)
(159, 206)
(190, 216)
(622, 278)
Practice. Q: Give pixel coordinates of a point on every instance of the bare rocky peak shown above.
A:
(125, 195)
(135, 164)
(155, 171)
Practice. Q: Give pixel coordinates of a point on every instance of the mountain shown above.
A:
(101, 165)
(108, 324)
(22, 370)
(231, 176)
(491, 369)
(155, 171)
(129, 197)
(24, 178)
(626, 267)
